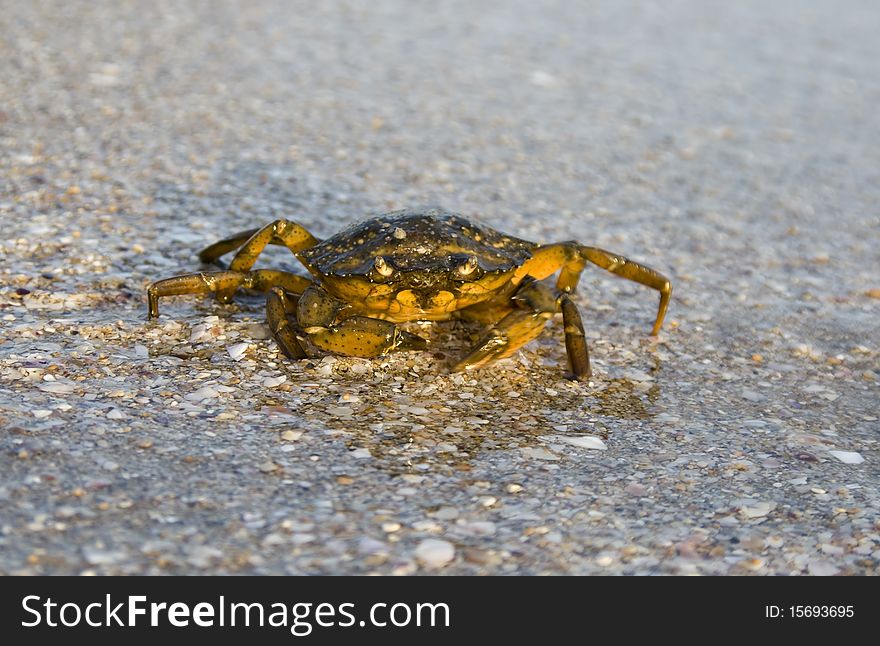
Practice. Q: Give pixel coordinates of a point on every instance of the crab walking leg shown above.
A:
(289, 234)
(218, 282)
(212, 253)
(279, 308)
(355, 336)
(642, 274)
(569, 258)
(280, 232)
(575, 340)
(263, 280)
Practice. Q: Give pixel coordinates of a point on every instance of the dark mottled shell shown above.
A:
(416, 240)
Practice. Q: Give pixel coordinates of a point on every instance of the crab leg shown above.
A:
(575, 340)
(285, 233)
(536, 305)
(279, 308)
(251, 243)
(569, 259)
(212, 253)
(633, 271)
(222, 283)
(280, 232)
(355, 336)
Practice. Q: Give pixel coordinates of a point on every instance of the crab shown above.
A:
(411, 265)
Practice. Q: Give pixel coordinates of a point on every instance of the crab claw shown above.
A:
(404, 340)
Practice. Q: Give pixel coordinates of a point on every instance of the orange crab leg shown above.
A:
(536, 305)
(281, 232)
(250, 245)
(575, 340)
(225, 281)
(285, 233)
(569, 259)
(279, 308)
(626, 268)
(212, 253)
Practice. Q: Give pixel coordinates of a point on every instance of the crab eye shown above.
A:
(382, 267)
(467, 267)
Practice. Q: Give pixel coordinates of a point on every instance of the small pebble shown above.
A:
(203, 556)
(637, 375)
(848, 457)
(95, 556)
(758, 510)
(258, 331)
(237, 351)
(205, 392)
(635, 489)
(479, 528)
(57, 387)
(370, 546)
(201, 333)
(538, 454)
(445, 447)
(446, 513)
(434, 553)
(822, 568)
(581, 441)
(753, 564)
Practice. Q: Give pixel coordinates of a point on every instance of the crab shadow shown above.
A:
(405, 448)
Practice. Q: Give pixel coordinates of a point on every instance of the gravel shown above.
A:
(433, 553)
(734, 149)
